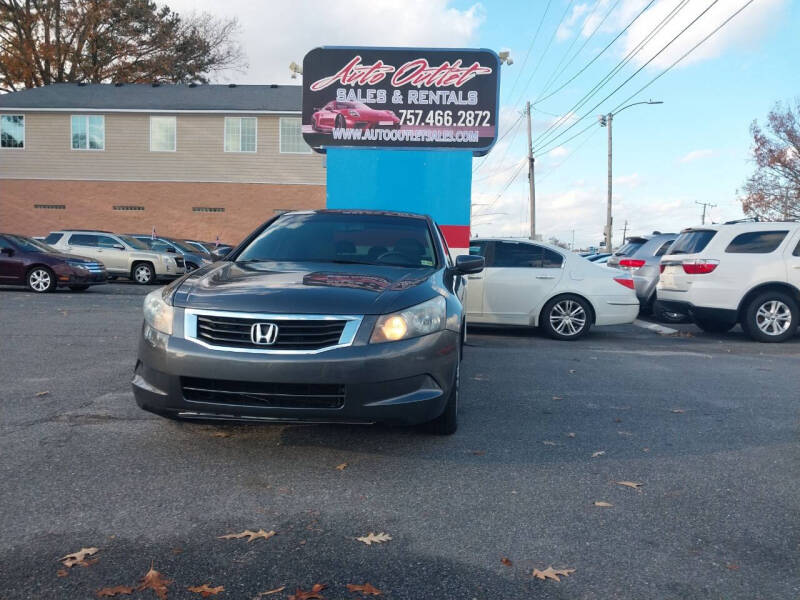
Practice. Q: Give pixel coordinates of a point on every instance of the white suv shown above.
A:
(743, 272)
(122, 255)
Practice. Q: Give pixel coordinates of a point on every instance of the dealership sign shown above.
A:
(400, 98)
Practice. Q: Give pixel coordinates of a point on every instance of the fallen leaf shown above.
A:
(205, 590)
(40, 394)
(570, 435)
(480, 377)
(558, 398)
(221, 434)
(366, 589)
(251, 535)
(617, 420)
(314, 594)
(269, 592)
(630, 484)
(478, 452)
(76, 558)
(571, 371)
(341, 467)
(506, 561)
(117, 590)
(551, 573)
(603, 504)
(177, 550)
(62, 573)
(598, 453)
(549, 443)
(88, 562)
(732, 566)
(625, 433)
(678, 411)
(645, 449)
(153, 580)
(378, 538)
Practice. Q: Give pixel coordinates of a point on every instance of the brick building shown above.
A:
(196, 161)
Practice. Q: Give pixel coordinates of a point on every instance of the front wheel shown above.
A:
(566, 318)
(143, 273)
(340, 122)
(771, 317)
(41, 280)
(447, 422)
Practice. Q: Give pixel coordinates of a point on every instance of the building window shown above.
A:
(240, 134)
(12, 131)
(207, 209)
(127, 207)
(162, 134)
(51, 206)
(88, 132)
(291, 137)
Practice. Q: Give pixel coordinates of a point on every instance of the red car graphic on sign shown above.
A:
(352, 115)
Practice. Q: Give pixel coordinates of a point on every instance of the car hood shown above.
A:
(305, 288)
(65, 256)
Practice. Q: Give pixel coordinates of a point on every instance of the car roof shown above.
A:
(359, 211)
(524, 240)
(82, 231)
(745, 226)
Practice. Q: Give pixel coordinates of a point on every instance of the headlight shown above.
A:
(418, 320)
(157, 313)
(76, 264)
(353, 113)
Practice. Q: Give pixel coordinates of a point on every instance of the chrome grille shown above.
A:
(277, 395)
(93, 267)
(299, 334)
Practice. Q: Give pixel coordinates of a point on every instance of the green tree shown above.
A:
(772, 192)
(97, 41)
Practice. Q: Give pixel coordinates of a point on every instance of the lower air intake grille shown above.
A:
(278, 395)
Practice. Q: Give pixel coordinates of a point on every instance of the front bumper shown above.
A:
(81, 277)
(404, 382)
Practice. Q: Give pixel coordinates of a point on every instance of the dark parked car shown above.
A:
(25, 261)
(215, 249)
(335, 316)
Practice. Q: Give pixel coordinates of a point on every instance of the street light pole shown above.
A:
(606, 121)
(531, 182)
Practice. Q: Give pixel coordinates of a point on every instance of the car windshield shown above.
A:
(344, 238)
(692, 242)
(133, 242)
(350, 105)
(182, 246)
(630, 248)
(30, 245)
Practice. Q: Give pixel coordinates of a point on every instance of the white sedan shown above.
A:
(534, 284)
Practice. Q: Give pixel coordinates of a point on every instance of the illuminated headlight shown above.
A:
(157, 313)
(418, 320)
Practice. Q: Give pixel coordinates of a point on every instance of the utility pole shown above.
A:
(609, 218)
(625, 232)
(530, 173)
(704, 205)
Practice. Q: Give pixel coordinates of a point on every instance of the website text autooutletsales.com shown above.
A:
(407, 135)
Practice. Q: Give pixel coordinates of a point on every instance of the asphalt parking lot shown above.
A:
(707, 424)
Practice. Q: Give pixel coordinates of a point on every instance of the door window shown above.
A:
(756, 242)
(551, 259)
(83, 239)
(103, 241)
(517, 255)
(796, 250)
(663, 250)
(5, 244)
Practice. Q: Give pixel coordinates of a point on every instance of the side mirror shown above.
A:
(7, 251)
(119, 246)
(467, 264)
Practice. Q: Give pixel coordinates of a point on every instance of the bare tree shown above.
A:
(53, 41)
(772, 192)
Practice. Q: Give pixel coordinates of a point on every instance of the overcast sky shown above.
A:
(694, 147)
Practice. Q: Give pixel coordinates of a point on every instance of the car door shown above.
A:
(474, 291)
(521, 277)
(12, 263)
(83, 244)
(113, 253)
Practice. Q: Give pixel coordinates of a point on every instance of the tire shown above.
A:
(79, 288)
(447, 422)
(771, 317)
(41, 280)
(666, 316)
(340, 123)
(566, 318)
(143, 273)
(112, 277)
(713, 325)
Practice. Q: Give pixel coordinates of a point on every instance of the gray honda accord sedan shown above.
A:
(342, 316)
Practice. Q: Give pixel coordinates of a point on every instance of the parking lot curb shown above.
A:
(655, 327)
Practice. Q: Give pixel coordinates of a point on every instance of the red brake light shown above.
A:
(631, 263)
(699, 267)
(662, 267)
(627, 282)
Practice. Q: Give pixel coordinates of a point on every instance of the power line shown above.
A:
(552, 139)
(505, 187)
(599, 54)
(598, 86)
(570, 155)
(485, 177)
(527, 54)
(509, 130)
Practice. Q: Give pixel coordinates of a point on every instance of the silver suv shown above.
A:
(641, 256)
(122, 255)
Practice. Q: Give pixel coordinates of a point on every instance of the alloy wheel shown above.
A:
(142, 274)
(773, 317)
(568, 317)
(39, 280)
